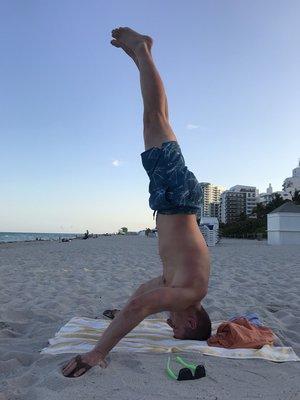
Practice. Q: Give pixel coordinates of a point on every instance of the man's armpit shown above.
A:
(165, 299)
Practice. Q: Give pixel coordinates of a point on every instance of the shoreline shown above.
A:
(99, 236)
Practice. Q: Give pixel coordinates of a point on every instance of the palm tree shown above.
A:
(259, 210)
(275, 203)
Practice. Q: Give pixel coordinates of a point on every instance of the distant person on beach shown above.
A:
(175, 195)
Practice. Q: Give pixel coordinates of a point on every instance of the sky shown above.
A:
(71, 109)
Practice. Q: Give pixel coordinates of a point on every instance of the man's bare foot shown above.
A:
(131, 42)
(127, 50)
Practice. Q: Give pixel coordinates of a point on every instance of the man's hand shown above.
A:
(124, 322)
(80, 364)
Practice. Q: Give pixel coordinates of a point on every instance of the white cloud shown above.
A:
(192, 126)
(116, 163)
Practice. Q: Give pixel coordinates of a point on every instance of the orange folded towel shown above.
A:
(240, 333)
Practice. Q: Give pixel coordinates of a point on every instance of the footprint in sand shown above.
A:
(4, 325)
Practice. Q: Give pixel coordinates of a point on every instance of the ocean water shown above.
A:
(6, 237)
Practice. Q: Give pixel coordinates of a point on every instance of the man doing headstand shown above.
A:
(175, 194)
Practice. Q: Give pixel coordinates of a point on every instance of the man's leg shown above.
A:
(157, 129)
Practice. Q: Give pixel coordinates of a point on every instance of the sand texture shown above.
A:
(43, 285)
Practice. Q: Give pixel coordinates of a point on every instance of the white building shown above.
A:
(270, 189)
(270, 195)
(267, 196)
(284, 224)
(211, 199)
(292, 183)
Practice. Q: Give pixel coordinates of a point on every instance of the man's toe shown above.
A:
(115, 33)
(115, 43)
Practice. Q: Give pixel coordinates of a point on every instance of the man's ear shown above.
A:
(192, 322)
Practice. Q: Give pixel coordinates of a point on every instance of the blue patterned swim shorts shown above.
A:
(173, 188)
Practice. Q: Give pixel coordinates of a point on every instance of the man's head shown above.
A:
(193, 323)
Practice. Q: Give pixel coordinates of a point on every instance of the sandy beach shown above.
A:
(44, 284)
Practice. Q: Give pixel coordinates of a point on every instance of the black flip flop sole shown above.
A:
(109, 313)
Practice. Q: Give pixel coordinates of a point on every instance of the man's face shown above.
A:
(177, 323)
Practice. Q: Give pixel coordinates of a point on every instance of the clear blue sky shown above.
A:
(70, 105)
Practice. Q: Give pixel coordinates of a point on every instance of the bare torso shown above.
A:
(184, 253)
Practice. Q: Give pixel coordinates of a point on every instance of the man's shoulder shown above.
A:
(191, 293)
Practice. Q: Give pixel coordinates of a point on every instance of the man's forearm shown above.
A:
(126, 320)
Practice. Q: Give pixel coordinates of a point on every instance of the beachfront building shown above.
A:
(284, 225)
(291, 184)
(251, 194)
(211, 199)
(232, 205)
(238, 200)
(214, 209)
(269, 189)
(267, 196)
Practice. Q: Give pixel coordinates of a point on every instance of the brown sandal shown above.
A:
(79, 365)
